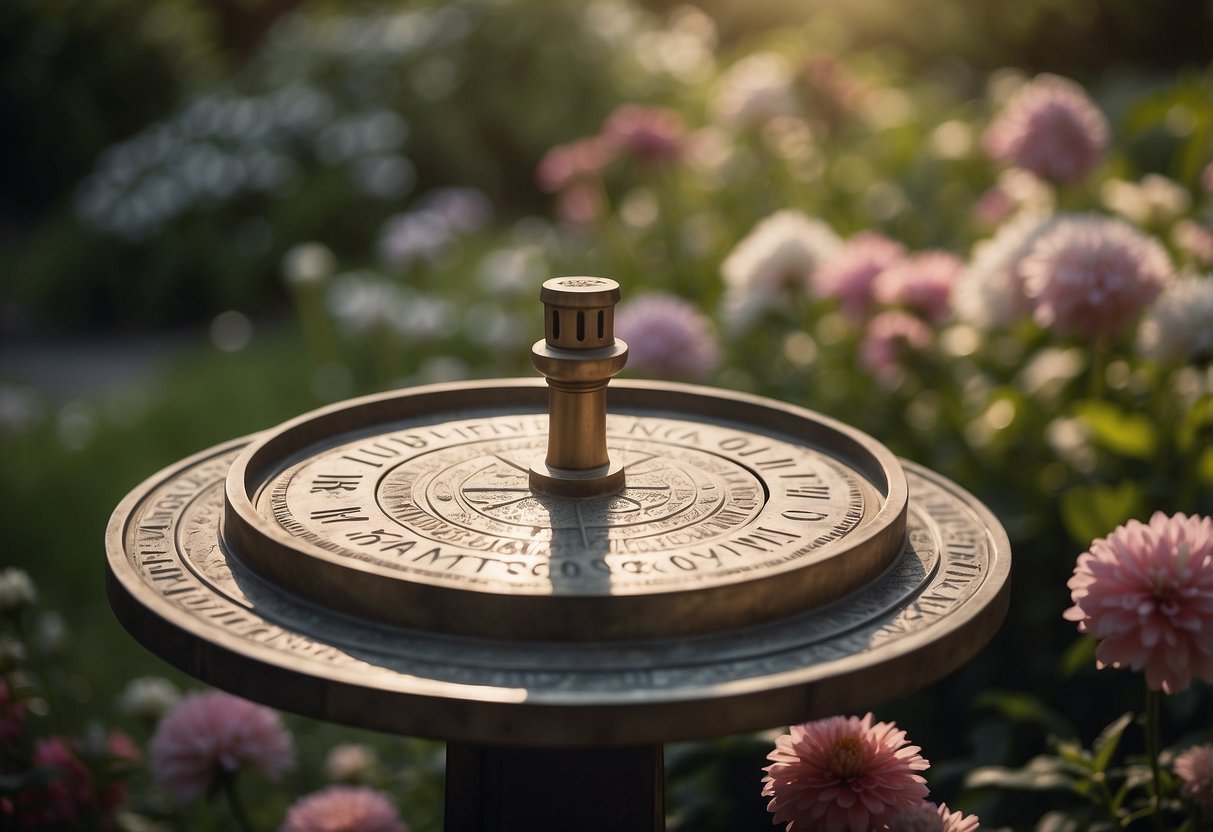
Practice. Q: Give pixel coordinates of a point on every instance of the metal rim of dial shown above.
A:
(338, 506)
(181, 592)
(178, 592)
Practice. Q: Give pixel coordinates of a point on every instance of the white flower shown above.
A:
(149, 697)
(781, 251)
(350, 762)
(755, 89)
(1180, 324)
(991, 292)
(16, 590)
(1154, 200)
(308, 263)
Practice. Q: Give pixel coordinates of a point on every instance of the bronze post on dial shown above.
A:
(579, 355)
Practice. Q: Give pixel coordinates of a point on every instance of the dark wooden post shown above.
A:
(500, 789)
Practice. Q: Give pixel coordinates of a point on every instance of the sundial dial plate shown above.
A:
(416, 510)
(204, 609)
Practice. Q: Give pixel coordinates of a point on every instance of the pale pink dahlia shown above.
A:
(214, 733)
(1093, 276)
(1146, 591)
(654, 135)
(1050, 127)
(1195, 768)
(927, 817)
(343, 809)
(576, 161)
(850, 276)
(891, 336)
(667, 337)
(922, 283)
(842, 774)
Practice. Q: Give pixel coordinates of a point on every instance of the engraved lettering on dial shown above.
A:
(452, 502)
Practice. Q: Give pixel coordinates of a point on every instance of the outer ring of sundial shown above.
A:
(199, 607)
(792, 571)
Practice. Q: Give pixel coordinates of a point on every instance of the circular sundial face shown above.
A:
(419, 512)
(438, 503)
(180, 591)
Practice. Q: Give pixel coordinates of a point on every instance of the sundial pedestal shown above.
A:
(451, 562)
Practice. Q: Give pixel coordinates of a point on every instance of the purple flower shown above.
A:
(1050, 127)
(890, 337)
(850, 276)
(568, 164)
(1093, 276)
(922, 283)
(667, 337)
(654, 135)
(343, 809)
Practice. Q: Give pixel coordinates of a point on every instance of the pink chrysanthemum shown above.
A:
(1050, 127)
(576, 161)
(1093, 276)
(927, 817)
(922, 283)
(343, 809)
(214, 733)
(850, 276)
(1146, 591)
(890, 337)
(1195, 768)
(842, 774)
(649, 134)
(667, 337)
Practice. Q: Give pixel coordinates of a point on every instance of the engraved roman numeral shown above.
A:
(810, 492)
(336, 482)
(339, 515)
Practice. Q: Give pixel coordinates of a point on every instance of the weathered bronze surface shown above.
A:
(395, 562)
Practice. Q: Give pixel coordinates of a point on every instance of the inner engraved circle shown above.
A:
(485, 489)
(451, 504)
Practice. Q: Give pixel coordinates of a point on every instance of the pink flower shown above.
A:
(890, 336)
(923, 283)
(67, 798)
(580, 204)
(566, 164)
(1050, 127)
(1147, 592)
(850, 276)
(842, 774)
(12, 715)
(654, 135)
(215, 734)
(667, 337)
(1093, 276)
(927, 817)
(343, 809)
(1195, 769)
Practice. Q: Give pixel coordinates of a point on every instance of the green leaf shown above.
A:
(1079, 656)
(1091, 511)
(1122, 432)
(1023, 707)
(1105, 744)
(1043, 773)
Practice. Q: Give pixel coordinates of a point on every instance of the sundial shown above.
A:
(554, 584)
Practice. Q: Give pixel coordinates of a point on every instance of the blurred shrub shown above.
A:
(328, 128)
